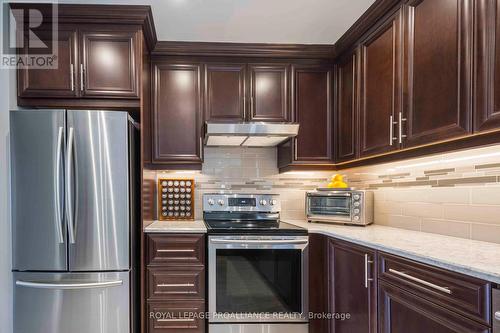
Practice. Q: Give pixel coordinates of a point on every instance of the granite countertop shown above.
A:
(473, 258)
(197, 226)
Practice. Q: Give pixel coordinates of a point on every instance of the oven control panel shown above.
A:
(213, 202)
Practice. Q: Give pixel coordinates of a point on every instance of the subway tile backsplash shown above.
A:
(455, 194)
(253, 170)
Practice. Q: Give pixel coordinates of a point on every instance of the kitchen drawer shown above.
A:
(460, 293)
(176, 317)
(176, 283)
(176, 249)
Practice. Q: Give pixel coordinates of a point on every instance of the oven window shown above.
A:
(258, 281)
(330, 206)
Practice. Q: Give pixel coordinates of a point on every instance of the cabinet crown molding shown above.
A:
(174, 48)
(102, 14)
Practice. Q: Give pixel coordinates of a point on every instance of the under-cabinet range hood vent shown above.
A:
(249, 134)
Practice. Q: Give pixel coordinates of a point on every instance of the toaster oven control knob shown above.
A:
(263, 202)
(356, 204)
(356, 211)
(273, 202)
(211, 202)
(356, 218)
(220, 202)
(356, 197)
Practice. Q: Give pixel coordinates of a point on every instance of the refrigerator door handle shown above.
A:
(57, 185)
(69, 286)
(68, 194)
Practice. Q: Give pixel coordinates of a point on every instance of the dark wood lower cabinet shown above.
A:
(402, 296)
(175, 283)
(353, 285)
(404, 312)
(318, 281)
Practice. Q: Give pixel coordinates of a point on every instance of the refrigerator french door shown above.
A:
(72, 219)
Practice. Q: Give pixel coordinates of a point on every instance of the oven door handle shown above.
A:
(328, 194)
(259, 241)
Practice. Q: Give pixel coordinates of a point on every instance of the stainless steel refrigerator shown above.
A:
(74, 221)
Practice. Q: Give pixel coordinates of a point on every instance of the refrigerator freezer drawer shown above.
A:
(72, 302)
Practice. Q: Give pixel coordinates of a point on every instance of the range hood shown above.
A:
(249, 134)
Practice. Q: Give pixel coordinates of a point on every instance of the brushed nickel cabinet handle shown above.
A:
(367, 262)
(296, 155)
(391, 130)
(72, 76)
(401, 135)
(172, 250)
(244, 108)
(425, 283)
(175, 285)
(176, 320)
(81, 77)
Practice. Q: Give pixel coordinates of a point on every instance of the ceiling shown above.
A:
(250, 21)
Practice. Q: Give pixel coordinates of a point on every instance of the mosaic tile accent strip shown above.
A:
(455, 194)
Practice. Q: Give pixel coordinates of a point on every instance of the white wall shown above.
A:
(7, 89)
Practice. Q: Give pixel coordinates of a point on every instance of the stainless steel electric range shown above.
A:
(258, 266)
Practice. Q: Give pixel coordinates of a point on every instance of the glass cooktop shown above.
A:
(253, 227)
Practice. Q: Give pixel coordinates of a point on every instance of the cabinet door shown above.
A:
(57, 82)
(318, 281)
(312, 109)
(110, 64)
(225, 92)
(353, 287)
(269, 92)
(404, 312)
(177, 114)
(346, 115)
(437, 70)
(380, 88)
(487, 88)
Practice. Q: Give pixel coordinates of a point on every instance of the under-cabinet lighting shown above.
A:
(448, 160)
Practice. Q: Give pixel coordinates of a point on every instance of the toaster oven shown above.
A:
(340, 206)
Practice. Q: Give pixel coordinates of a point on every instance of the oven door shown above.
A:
(331, 206)
(258, 279)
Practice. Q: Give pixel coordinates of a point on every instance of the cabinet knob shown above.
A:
(497, 315)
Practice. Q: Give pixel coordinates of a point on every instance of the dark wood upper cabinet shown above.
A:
(225, 92)
(437, 70)
(177, 113)
(353, 287)
(110, 64)
(54, 82)
(269, 92)
(312, 109)
(346, 131)
(403, 312)
(487, 67)
(380, 87)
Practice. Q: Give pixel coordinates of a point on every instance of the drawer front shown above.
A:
(463, 294)
(176, 283)
(176, 317)
(176, 249)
